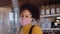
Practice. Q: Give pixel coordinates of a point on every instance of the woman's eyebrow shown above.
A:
(28, 14)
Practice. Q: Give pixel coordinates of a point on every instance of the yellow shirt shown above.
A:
(36, 29)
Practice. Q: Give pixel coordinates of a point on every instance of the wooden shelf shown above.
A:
(50, 15)
(50, 28)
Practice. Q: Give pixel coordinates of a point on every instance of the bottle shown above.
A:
(48, 10)
(53, 9)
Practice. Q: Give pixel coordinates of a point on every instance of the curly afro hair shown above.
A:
(33, 8)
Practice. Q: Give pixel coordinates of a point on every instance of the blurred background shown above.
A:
(49, 15)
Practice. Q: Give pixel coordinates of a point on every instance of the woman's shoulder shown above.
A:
(37, 30)
(37, 27)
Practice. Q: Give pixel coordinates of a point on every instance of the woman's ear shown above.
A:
(31, 19)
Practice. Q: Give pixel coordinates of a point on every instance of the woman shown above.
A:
(28, 12)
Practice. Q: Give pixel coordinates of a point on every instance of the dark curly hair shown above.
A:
(33, 9)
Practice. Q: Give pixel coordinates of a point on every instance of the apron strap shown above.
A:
(31, 29)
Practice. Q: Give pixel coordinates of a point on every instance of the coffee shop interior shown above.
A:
(49, 15)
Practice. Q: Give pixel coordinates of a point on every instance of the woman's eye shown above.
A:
(26, 16)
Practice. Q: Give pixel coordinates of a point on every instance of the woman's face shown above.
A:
(25, 17)
(26, 14)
